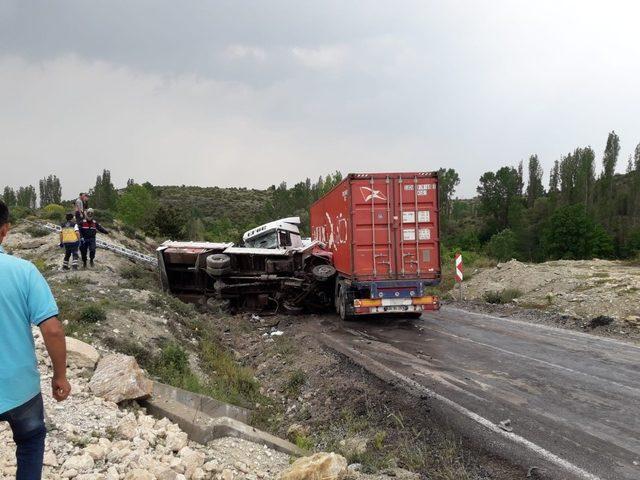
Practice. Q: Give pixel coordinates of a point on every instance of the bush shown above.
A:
(37, 231)
(503, 245)
(505, 296)
(92, 314)
(54, 212)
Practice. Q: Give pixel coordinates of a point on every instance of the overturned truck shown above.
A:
(274, 269)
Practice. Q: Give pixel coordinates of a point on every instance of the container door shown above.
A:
(373, 231)
(416, 211)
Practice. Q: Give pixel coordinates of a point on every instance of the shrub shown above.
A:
(505, 296)
(503, 245)
(92, 314)
(37, 231)
(54, 212)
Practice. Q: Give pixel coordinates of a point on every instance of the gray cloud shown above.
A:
(252, 93)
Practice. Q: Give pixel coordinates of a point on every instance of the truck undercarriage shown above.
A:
(275, 270)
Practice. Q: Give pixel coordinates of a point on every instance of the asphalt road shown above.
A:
(573, 399)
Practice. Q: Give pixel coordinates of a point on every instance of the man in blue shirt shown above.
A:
(25, 300)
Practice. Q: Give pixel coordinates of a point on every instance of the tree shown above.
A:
(194, 230)
(503, 245)
(610, 158)
(168, 222)
(500, 200)
(137, 208)
(572, 234)
(585, 175)
(9, 196)
(448, 180)
(535, 189)
(50, 191)
(104, 194)
(26, 197)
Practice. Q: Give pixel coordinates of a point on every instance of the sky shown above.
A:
(252, 93)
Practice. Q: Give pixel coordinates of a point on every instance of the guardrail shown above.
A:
(120, 250)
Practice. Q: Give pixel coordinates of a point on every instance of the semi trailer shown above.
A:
(382, 230)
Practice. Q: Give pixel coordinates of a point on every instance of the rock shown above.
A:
(50, 459)
(139, 474)
(176, 441)
(226, 474)
(327, 466)
(354, 446)
(127, 428)
(95, 451)
(192, 460)
(296, 430)
(80, 354)
(80, 463)
(118, 378)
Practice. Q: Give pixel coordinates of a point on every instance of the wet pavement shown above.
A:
(572, 399)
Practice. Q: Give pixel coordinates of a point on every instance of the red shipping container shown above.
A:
(383, 231)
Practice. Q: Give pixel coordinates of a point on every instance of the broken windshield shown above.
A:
(269, 240)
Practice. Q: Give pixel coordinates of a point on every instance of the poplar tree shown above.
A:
(535, 189)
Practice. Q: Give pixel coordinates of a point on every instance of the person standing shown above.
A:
(70, 241)
(88, 230)
(26, 300)
(81, 205)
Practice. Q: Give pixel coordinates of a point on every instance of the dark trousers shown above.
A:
(89, 245)
(70, 250)
(27, 425)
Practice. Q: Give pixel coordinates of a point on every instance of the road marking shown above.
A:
(564, 331)
(488, 424)
(533, 359)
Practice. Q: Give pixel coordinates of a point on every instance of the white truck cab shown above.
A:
(283, 234)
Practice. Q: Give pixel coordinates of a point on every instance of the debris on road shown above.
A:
(506, 425)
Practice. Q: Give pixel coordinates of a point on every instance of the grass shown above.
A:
(168, 302)
(501, 297)
(92, 314)
(295, 382)
(139, 278)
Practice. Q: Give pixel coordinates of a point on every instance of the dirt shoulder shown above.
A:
(597, 296)
(321, 400)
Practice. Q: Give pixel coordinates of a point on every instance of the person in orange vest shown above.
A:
(70, 241)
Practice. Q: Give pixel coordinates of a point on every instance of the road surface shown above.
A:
(573, 399)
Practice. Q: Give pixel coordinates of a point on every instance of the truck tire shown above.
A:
(218, 272)
(343, 308)
(218, 261)
(324, 272)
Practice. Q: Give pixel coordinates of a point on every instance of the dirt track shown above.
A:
(573, 399)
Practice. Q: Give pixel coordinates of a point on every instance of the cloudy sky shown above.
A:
(250, 93)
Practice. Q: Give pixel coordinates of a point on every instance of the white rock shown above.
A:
(139, 474)
(95, 451)
(176, 441)
(80, 354)
(118, 377)
(81, 463)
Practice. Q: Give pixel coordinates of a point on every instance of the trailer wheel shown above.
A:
(343, 308)
(218, 261)
(324, 272)
(218, 272)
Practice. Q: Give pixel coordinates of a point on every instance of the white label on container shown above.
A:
(408, 187)
(408, 217)
(424, 216)
(408, 234)
(424, 188)
(424, 234)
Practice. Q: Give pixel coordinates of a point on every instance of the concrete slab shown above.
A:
(204, 419)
